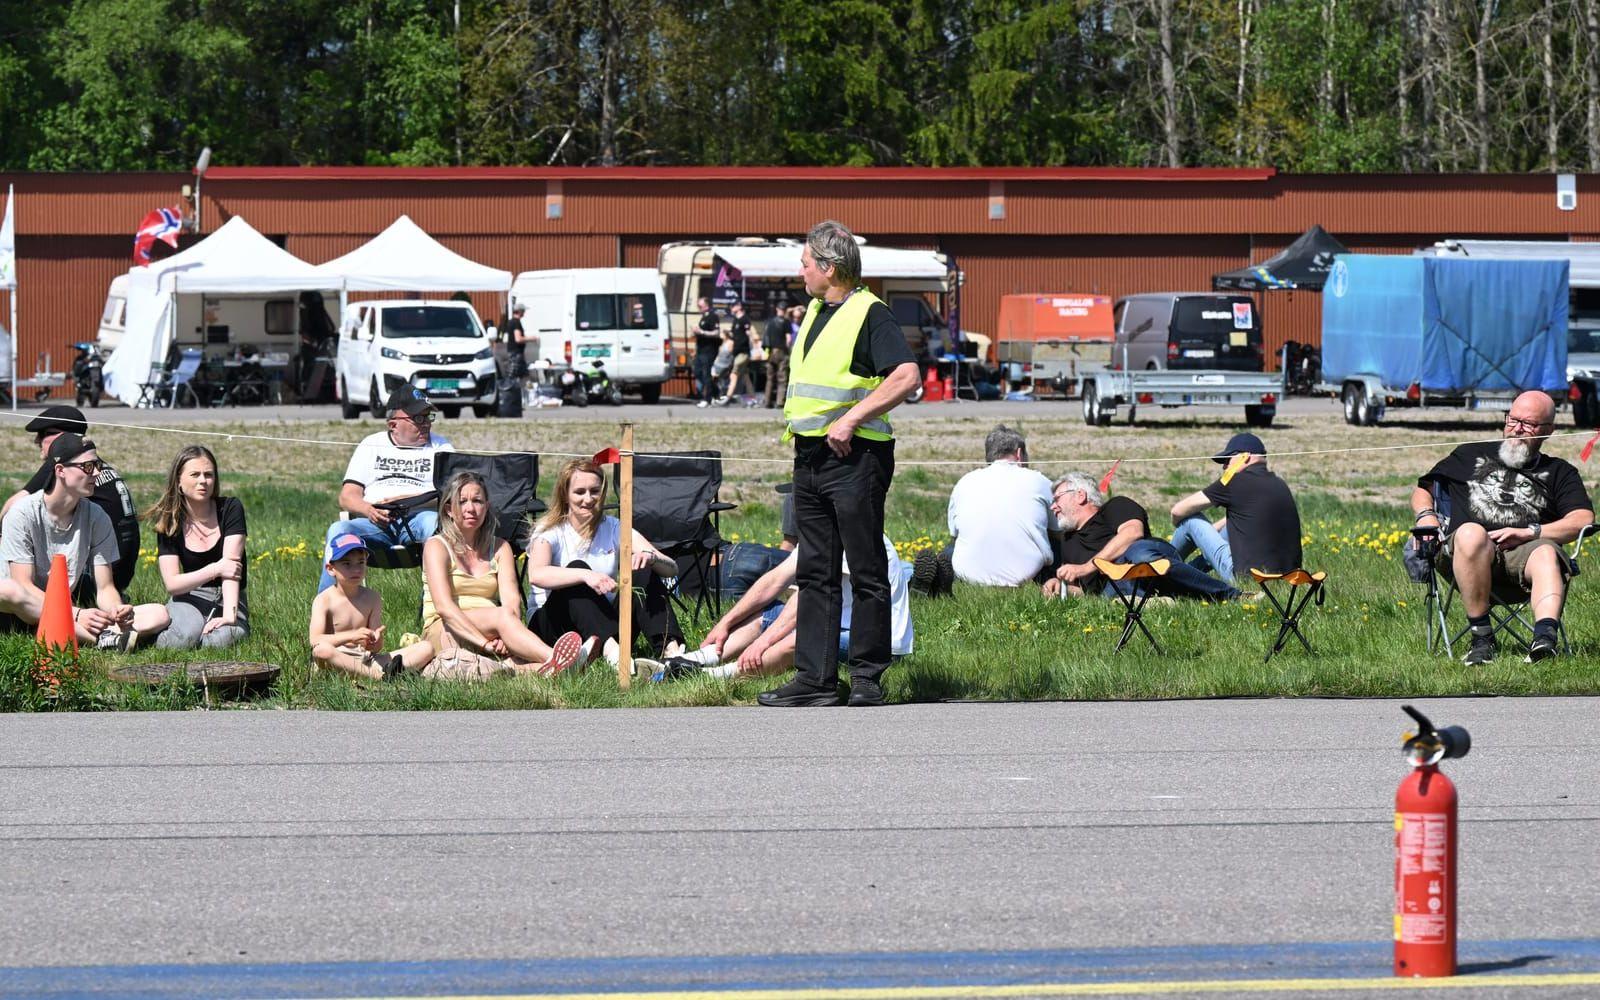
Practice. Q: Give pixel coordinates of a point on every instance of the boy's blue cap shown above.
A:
(344, 544)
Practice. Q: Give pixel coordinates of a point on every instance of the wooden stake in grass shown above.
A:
(625, 563)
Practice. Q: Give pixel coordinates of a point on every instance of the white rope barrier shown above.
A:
(1089, 461)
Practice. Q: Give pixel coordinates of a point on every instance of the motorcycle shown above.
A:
(87, 373)
(1303, 366)
(581, 386)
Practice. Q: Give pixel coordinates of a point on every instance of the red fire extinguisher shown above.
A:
(1425, 848)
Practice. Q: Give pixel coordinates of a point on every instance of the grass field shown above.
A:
(980, 644)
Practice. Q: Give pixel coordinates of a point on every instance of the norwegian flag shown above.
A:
(163, 224)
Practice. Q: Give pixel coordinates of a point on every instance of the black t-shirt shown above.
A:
(741, 335)
(230, 518)
(708, 338)
(1483, 490)
(1080, 546)
(880, 349)
(512, 328)
(775, 334)
(1263, 521)
(112, 495)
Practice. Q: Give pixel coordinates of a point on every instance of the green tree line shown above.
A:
(1304, 85)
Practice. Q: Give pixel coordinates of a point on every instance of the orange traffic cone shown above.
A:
(55, 624)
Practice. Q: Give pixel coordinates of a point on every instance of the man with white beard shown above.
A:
(1510, 509)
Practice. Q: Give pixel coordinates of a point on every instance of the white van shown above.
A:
(615, 315)
(439, 346)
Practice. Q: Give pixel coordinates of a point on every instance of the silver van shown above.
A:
(1159, 330)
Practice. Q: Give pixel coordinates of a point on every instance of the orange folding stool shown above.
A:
(1303, 588)
(1134, 601)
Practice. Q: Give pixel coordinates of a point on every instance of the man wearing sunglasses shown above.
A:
(110, 492)
(388, 486)
(56, 521)
(1505, 510)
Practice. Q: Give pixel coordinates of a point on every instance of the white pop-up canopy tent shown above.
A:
(403, 258)
(234, 260)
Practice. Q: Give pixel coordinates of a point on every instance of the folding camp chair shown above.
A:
(1303, 588)
(675, 506)
(513, 482)
(1508, 606)
(1135, 597)
(167, 386)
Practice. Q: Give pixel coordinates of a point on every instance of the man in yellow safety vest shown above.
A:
(849, 367)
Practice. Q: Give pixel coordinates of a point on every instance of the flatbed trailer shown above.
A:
(1104, 391)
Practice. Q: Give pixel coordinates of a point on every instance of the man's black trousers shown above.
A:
(838, 506)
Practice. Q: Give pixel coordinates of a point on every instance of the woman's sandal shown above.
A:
(565, 653)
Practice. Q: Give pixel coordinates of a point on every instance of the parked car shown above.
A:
(1178, 330)
(613, 315)
(438, 346)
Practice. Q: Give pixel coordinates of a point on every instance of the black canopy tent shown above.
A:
(1303, 264)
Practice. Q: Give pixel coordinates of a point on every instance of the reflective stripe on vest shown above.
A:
(821, 384)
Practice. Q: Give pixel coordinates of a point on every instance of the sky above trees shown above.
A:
(1303, 85)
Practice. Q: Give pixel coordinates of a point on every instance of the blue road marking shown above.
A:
(759, 972)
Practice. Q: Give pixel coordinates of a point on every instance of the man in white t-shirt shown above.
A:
(757, 635)
(1000, 516)
(388, 486)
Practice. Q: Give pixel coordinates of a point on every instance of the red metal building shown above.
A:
(1109, 231)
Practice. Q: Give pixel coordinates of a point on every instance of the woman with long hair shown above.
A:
(469, 586)
(200, 550)
(572, 565)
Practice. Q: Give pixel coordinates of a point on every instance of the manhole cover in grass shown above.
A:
(227, 678)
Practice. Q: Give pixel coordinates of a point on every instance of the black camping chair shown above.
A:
(676, 507)
(1508, 606)
(513, 481)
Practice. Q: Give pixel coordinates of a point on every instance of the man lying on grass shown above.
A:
(1116, 530)
(1505, 510)
(57, 521)
(757, 635)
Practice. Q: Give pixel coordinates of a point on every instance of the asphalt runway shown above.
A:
(901, 853)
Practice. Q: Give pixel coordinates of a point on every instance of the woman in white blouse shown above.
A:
(572, 566)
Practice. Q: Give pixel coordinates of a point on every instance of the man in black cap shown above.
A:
(1260, 527)
(388, 486)
(55, 521)
(110, 492)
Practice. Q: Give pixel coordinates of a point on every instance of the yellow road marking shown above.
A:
(996, 992)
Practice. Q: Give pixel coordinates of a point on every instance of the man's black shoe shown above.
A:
(1542, 648)
(865, 693)
(1482, 650)
(798, 694)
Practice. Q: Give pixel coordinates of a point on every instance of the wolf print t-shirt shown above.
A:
(1484, 490)
(384, 470)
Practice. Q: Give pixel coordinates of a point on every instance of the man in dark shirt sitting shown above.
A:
(1118, 531)
(1260, 528)
(1510, 510)
(110, 492)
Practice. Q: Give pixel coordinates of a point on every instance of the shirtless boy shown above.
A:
(347, 620)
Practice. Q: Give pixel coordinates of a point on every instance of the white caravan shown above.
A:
(921, 287)
(614, 315)
(437, 345)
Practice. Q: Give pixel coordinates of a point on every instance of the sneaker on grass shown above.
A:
(1483, 649)
(1542, 648)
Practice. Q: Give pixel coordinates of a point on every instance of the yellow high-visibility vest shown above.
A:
(821, 384)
